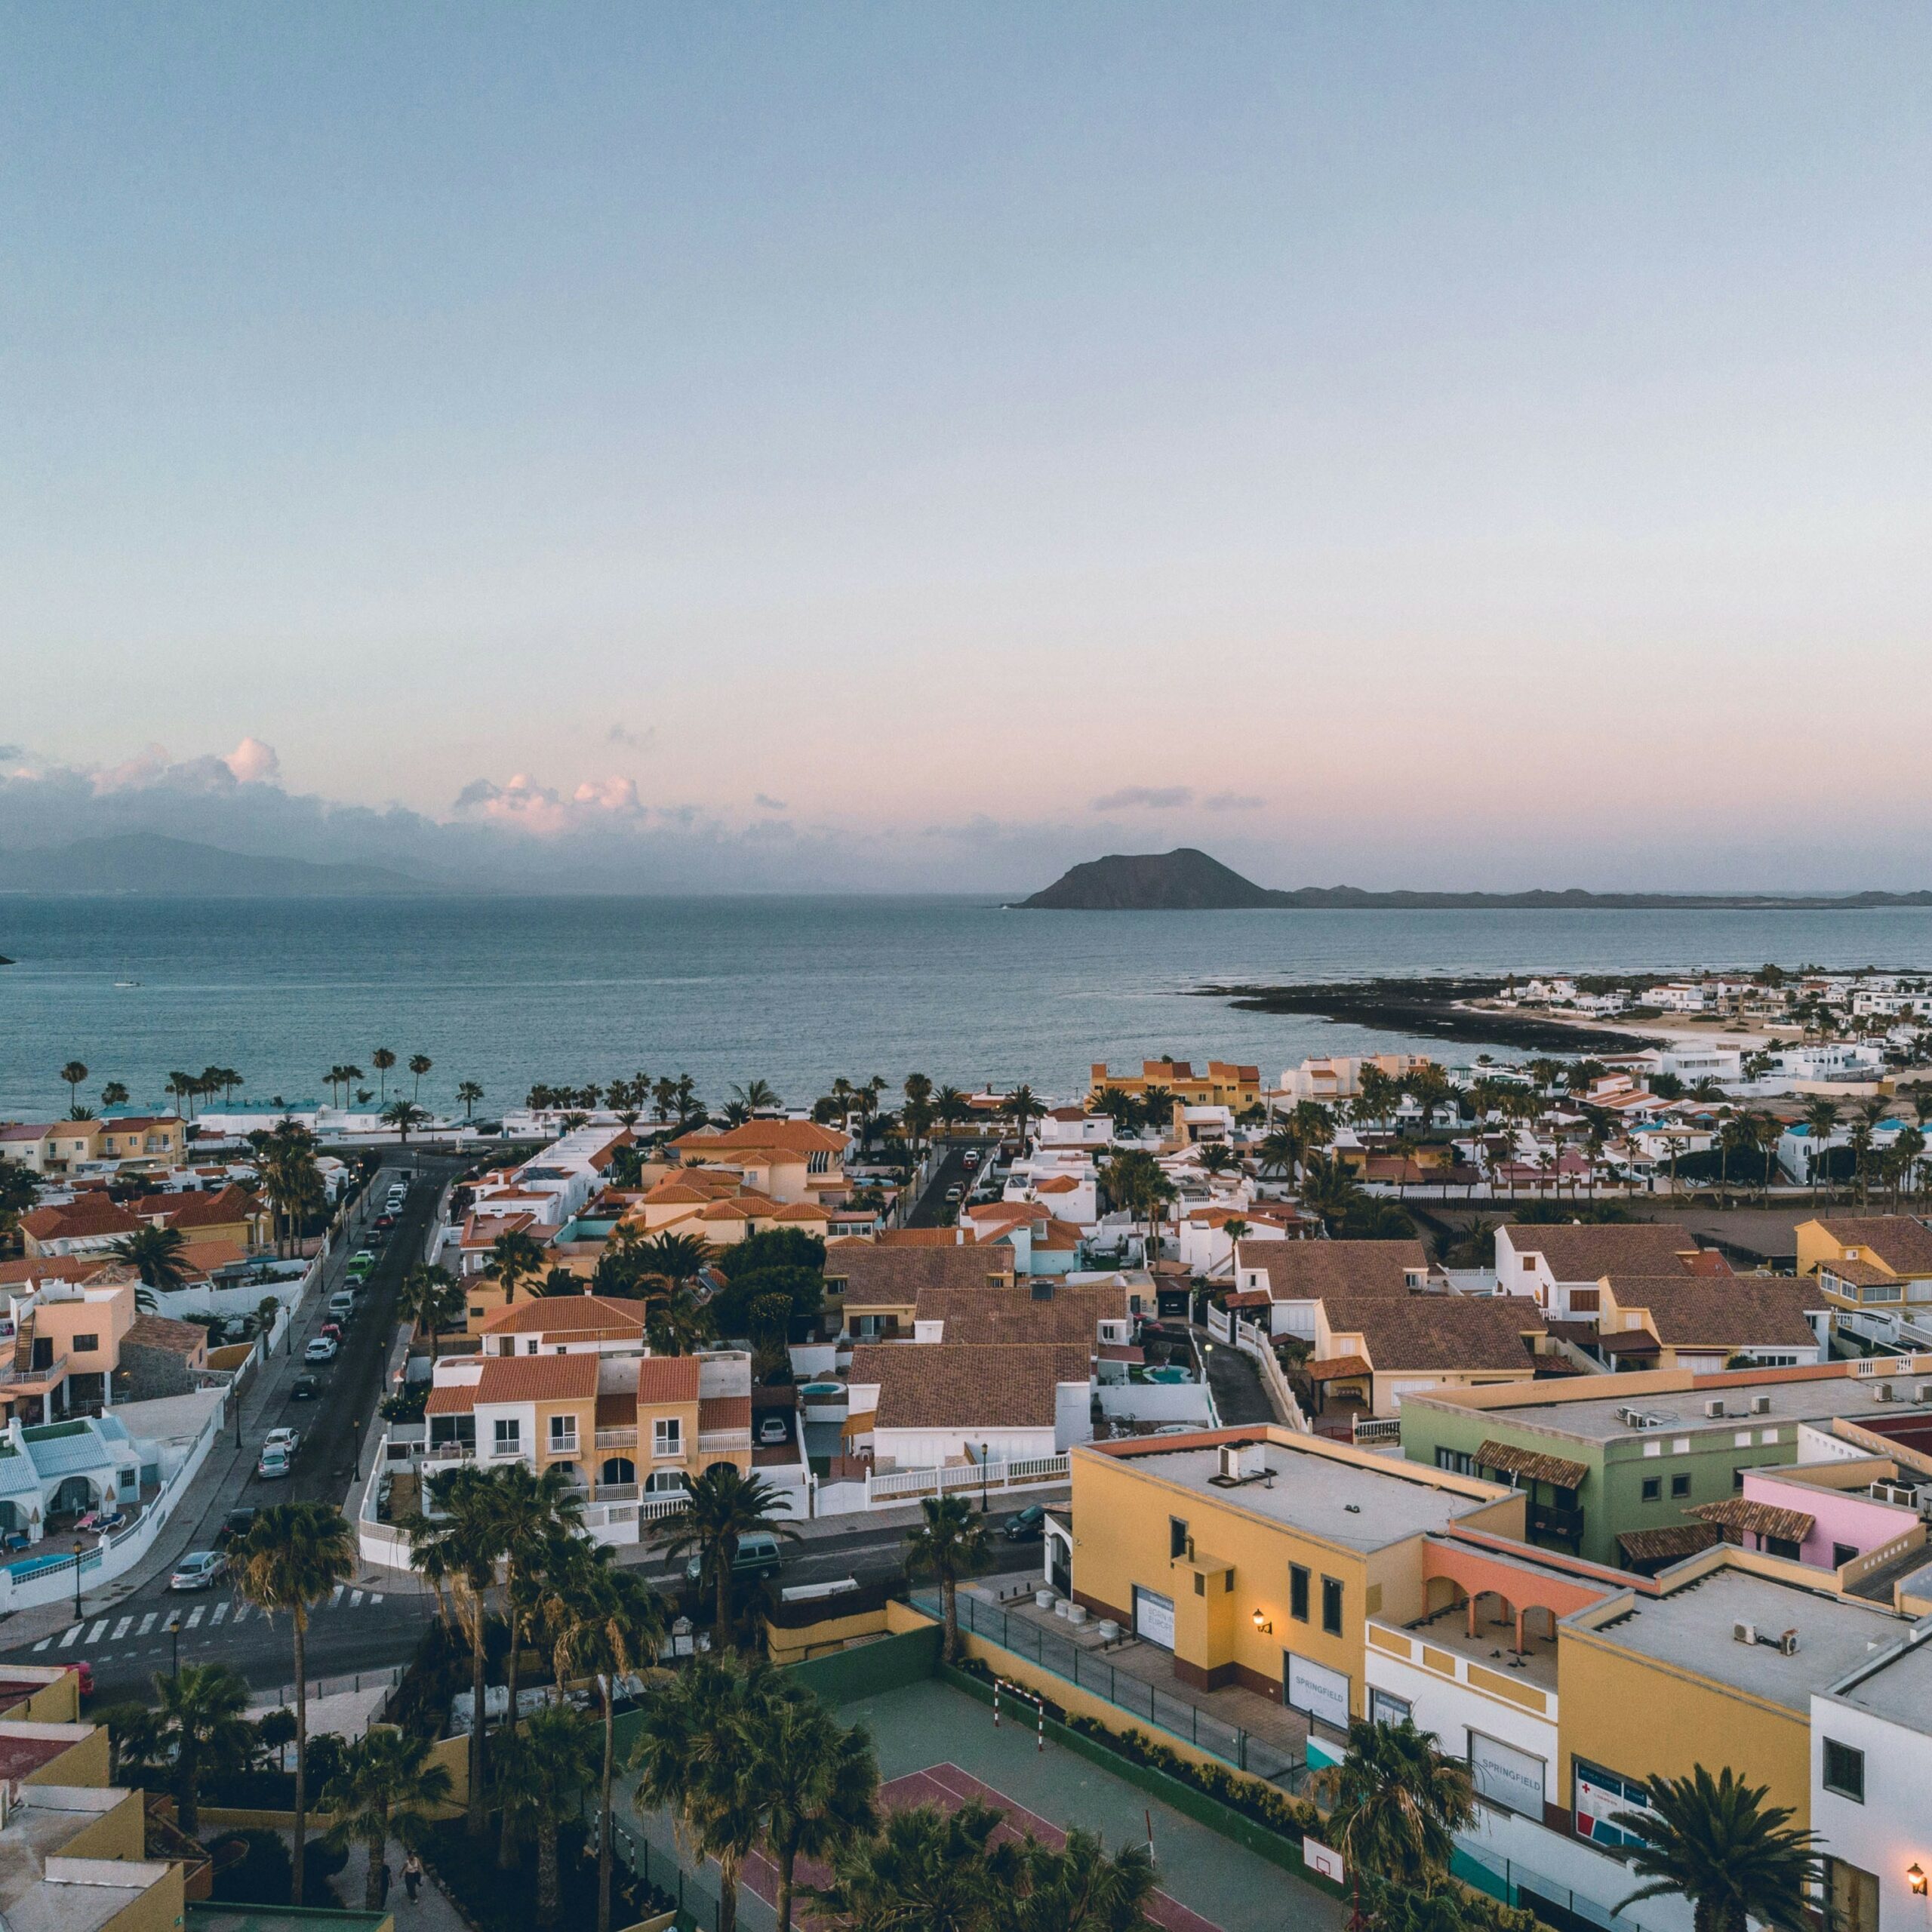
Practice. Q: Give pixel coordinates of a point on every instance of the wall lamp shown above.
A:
(1267, 1630)
(1914, 1877)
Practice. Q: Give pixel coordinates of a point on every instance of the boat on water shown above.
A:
(121, 985)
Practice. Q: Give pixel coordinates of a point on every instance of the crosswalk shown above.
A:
(205, 1615)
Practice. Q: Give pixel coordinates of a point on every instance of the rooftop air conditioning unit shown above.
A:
(1761, 1405)
(1714, 1407)
(1744, 1633)
(1788, 1644)
(1882, 1392)
(1923, 1393)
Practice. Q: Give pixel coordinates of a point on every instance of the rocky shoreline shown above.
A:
(1435, 1009)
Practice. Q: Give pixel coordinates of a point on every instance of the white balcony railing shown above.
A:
(617, 1438)
(722, 1441)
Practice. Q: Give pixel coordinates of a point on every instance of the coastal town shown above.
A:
(1573, 1416)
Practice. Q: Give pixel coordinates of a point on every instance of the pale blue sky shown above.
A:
(1465, 444)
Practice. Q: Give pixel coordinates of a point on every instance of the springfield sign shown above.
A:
(1317, 1692)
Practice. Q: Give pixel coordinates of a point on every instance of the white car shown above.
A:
(773, 1428)
(322, 1349)
(282, 1439)
(273, 1463)
(199, 1570)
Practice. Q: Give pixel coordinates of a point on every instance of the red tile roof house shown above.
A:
(932, 1405)
(91, 1224)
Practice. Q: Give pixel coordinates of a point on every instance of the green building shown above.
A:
(1611, 1475)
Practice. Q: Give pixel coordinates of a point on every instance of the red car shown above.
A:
(333, 1330)
(84, 1672)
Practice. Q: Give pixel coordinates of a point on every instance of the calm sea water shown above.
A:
(793, 991)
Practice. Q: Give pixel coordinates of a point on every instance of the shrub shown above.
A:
(252, 1868)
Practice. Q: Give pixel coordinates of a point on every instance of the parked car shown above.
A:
(84, 1673)
(1026, 1525)
(342, 1305)
(236, 1523)
(385, 1221)
(272, 1464)
(321, 1349)
(972, 1157)
(199, 1570)
(757, 1558)
(954, 1193)
(305, 1389)
(284, 1437)
(333, 1330)
(360, 1263)
(775, 1426)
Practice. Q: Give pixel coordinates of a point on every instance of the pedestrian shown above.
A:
(382, 1895)
(412, 1875)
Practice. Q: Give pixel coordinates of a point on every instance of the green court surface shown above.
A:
(929, 1724)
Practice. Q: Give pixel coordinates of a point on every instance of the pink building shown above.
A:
(1842, 1523)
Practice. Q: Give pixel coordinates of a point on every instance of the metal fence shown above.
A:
(1064, 1658)
(1516, 1884)
(695, 1894)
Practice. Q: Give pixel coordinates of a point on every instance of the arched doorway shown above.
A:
(617, 1468)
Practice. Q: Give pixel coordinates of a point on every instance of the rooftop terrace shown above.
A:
(1900, 1690)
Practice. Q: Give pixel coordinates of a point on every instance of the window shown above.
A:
(509, 1435)
(563, 1435)
(1176, 1539)
(1843, 1553)
(1384, 1709)
(1653, 1489)
(1331, 1606)
(1297, 1593)
(667, 1436)
(530, 1347)
(1680, 1485)
(1458, 1462)
(1844, 1770)
(1783, 1546)
(85, 1345)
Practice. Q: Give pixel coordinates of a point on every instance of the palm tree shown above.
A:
(676, 1325)
(382, 1059)
(457, 1551)
(950, 1542)
(1821, 1118)
(1397, 1804)
(468, 1092)
(926, 1868)
(385, 1781)
(293, 1555)
(1766, 1131)
(610, 1622)
(542, 1771)
(695, 1751)
(403, 1115)
(1281, 1147)
(1021, 1105)
(1714, 1841)
(950, 1107)
(755, 1094)
(199, 1724)
(159, 1255)
(512, 1256)
(419, 1065)
(816, 1782)
(431, 1299)
(1077, 1887)
(720, 1508)
(676, 1260)
(114, 1094)
(74, 1072)
(533, 1514)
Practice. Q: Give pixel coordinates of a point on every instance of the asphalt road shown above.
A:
(932, 1210)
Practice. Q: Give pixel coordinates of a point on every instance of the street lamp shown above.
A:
(174, 1631)
(983, 1478)
(78, 1548)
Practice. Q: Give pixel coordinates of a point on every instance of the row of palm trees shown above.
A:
(187, 1087)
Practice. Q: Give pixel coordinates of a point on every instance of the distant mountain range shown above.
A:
(1189, 881)
(146, 862)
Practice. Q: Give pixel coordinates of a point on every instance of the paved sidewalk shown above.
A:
(432, 1911)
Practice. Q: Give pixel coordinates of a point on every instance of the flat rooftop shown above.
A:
(1899, 1691)
(1600, 1419)
(1359, 1507)
(1692, 1628)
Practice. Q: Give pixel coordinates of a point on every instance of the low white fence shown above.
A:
(1218, 1322)
(904, 1485)
(1258, 1351)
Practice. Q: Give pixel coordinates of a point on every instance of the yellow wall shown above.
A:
(119, 1834)
(161, 1907)
(56, 1702)
(1642, 1718)
(1121, 1512)
(84, 1763)
(793, 1646)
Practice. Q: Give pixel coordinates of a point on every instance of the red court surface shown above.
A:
(947, 1787)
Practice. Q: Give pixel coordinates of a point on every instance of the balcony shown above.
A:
(723, 1442)
(1556, 1525)
(564, 1445)
(617, 1438)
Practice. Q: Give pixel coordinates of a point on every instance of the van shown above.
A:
(757, 1558)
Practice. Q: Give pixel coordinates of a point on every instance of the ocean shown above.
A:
(794, 991)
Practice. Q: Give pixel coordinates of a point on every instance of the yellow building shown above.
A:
(133, 1142)
(1878, 1261)
(788, 1161)
(1255, 1555)
(1223, 1084)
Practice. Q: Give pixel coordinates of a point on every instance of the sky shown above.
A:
(921, 448)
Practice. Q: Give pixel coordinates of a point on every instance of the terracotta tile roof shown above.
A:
(1309, 1270)
(802, 1210)
(1589, 1254)
(967, 1388)
(85, 1219)
(1446, 1333)
(1902, 1244)
(1005, 1317)
(894, 1276)
(1673, 1541)
(666, 1378)
(537, 1379)
(1531, 1462)
(1859, 1274)
(1763, 1519)
(1338, 1368)
(1249, 1298)
(558, 1315)
(918, 1238)
(1733, 1311)
(198, 1211)
(1056, 1184)
(48, 1267)
(159, 1331)
(451, 1398)
(721, 1412)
